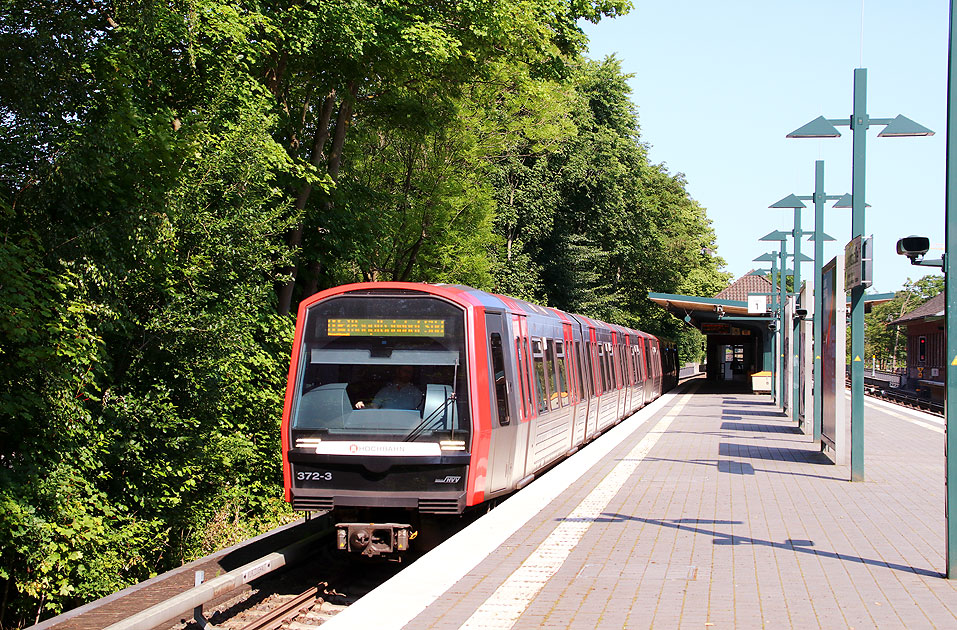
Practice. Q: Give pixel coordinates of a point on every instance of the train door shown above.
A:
(646, 366)
(639, 387)
(504, 411)
(525, 395)
(629, 367)
(591, 356)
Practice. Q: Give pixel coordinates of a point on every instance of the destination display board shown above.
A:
(386, 327)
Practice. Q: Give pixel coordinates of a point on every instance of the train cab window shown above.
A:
(561, 383)
(382, 368)
(498, 374)
(538, 354)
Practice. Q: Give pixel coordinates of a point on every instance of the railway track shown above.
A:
(905, 400)
(301, 598)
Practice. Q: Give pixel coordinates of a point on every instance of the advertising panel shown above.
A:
(833, 340)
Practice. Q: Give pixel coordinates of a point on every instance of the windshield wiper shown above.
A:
(424, 424)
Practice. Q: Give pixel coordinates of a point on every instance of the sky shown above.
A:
(718, 86)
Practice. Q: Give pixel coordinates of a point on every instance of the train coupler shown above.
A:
(373, 539)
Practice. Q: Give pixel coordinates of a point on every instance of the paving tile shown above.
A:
(734, 520)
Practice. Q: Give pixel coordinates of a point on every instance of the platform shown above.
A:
(706, 509)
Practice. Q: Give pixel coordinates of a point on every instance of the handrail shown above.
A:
(184, 604)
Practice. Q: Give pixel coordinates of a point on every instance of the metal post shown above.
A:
(774, 335)
(950, 464)
(818, 296)
(859, 125)
(782, 298)
(796, 324)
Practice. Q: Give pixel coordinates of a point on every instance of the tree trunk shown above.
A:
(294, 237)
(312, 280)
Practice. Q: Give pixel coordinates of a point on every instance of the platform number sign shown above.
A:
(757, 304)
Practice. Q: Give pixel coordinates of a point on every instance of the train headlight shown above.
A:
(308, 442)
(452, 445)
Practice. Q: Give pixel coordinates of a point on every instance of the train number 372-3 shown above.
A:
(314, 476)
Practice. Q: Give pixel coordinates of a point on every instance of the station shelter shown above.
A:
(738, 342)
(926, 348)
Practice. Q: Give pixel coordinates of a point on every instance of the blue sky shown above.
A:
(719, 85)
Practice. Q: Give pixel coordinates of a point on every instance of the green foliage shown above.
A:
(589, 225)
(165, 166)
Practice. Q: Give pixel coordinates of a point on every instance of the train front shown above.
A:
(376, 425)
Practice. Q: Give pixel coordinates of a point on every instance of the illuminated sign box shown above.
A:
(386, 327)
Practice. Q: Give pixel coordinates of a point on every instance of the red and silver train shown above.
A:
(406, 400)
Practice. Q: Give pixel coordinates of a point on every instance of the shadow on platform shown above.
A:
(721, 538)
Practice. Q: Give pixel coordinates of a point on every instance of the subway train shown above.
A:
(408, 402)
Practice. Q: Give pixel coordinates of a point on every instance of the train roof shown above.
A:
(475, 297)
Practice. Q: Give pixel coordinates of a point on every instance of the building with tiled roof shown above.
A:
(744, 286)
(934, 307)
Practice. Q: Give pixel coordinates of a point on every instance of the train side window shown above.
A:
(561, 384)
(601, 368)
(527, 370)
(589, 375)
(538, 355)
(520, 364)
(620, 367)
(603, 361)
(550, 362)
(577, 359)
(609, 369)
(498, 374)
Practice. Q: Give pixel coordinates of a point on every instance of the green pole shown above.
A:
(951, 291)
(774, 335)
(782, 292)
(795, 324)
(859, 125)
(818, 295)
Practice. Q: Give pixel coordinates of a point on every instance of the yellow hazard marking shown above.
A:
(819, 356)
(954, 362)
(857, 359)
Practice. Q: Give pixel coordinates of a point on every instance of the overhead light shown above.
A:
(904, 127)
(820, 127)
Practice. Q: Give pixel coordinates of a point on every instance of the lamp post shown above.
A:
(818, 237)
(793, 202)
(859, 122)
(772, 257)
(781, 290)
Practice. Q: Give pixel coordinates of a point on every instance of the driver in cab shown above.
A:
(401, 393)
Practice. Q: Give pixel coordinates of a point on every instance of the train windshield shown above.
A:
(383, 368)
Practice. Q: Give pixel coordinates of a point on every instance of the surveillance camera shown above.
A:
(913, 247)
(800, 313)
(772, 326)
